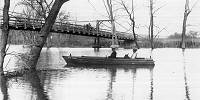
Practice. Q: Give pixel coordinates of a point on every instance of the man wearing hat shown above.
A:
(113, 54)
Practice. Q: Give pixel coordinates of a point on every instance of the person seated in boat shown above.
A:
(113, 54)
(126, 56)
(134, 55)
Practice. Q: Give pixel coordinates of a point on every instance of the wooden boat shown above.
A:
(105, 61)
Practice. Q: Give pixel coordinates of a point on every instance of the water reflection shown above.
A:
(185, 77)
(35, 83)
(129, 85)
(174, 77)
(134, 78)
(112, 75)
(151, 76)
(4, 87)
(51, 58)
(117, 84)
(96, 49)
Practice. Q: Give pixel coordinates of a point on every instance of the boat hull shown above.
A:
(104, 61)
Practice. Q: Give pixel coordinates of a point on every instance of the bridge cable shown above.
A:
(122, 26)
(106, 7)
(106, 25)
(95, 9)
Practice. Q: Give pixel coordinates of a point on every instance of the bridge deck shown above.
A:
(19, 23)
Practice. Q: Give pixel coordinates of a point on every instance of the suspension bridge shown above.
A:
(18, 21)
(22, 23)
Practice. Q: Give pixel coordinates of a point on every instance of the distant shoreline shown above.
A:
(76, 41)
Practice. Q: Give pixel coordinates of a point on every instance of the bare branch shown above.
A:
(106, 25)
(145, 26)
(104, 3)
(194, 5)
(42, 7)
(96, 9)
(25, 3)
(122, 25)
(125, 7)
(7, 63)
(160, 32)
(118, 9)
(158, 9)
(129, 28)
(48, 5)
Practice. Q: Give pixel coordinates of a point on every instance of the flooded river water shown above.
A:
(175, 76)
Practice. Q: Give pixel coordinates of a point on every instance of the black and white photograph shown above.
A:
(99, 49)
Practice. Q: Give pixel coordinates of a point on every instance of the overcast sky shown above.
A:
(170, 16)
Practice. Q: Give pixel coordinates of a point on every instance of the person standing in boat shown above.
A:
(134, 53)
(113, 54)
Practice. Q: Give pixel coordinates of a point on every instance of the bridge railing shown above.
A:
(21, 22)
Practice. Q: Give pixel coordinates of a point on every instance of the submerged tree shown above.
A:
(186, 14)
(151, 24)
(131, 18)
(3, 42)
(44, 32)
(4, 33)
(39, 10)
(113, 30)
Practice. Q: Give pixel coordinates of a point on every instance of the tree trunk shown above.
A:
(132, 19)
(151, 24)
(44, 32)
(35, 82)
(186, 13)
(114, 36)
(4, 87)
(134, 35)
(183, 32)
(4, 33)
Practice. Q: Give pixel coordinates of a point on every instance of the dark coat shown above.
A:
(113, 54)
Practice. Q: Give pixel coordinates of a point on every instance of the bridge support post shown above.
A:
(97, 43)
(97, 39)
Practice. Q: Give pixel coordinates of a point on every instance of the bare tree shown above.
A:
(39, 9)
(4, 33)
(186, 14)
(153, 11)
(151, 24)
(131, 18)
(44, 32)
(36, 8)
(110, 13)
